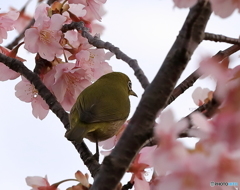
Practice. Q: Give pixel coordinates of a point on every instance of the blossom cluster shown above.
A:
(71, 63)
(216, 156)
(222, 8)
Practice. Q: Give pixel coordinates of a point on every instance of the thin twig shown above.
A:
(97, 42)
(208, 109)
(191, 79)
(221, 38)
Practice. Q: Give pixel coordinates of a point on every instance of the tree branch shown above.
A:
(191, 79)
(155, 98)
(221, 38)
(95, 41)
(53, 104)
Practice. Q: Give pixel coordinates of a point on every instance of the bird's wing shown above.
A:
(99, 108)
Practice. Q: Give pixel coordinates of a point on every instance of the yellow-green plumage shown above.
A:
(101, 108)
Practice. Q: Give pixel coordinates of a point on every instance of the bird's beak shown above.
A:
(133, 93)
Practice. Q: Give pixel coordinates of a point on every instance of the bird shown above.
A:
(100, 109)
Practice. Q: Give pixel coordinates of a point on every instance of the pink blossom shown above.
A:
(141, 184)
(225, 163)
(224, 8)
(146, 155)
(26, 92)
(93, 61)
(138, 170)
(220, 72)
(170, 152)
(5, 72)
(41, 11)
(225, 130)
(75, 40)
(203, 126)
(7, 23)
(39, 183)
(110, 143)
(83, 179)
(93, 7)
(22, 21)
(77, 10)
(44, 36)
(66, 81)
(97, 28)
(184, 3)
(201, 96)
(194, 173)
(142, 161)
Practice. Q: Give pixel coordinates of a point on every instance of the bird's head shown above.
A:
(121, 80)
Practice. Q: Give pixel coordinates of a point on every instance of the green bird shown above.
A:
(101, 109)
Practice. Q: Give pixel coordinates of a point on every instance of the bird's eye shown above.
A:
(129, 85)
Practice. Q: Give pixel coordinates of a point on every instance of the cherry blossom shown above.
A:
(138, 170)
(201, 96)
(224, 130)
(44, 36)
(110, 143)
(77, 10)
(219, 71)
(141, 162)
(23, 20)
(224, 8)
(93, 61)
(75, 44)
(26, 92)
(184, 3)
(169, 152)
(93, 7)
(225, 163)
(7, 21)
(201, 122)
(5, 72)
(194, 173)
(66, 81)
(39, 183)
(83, 179)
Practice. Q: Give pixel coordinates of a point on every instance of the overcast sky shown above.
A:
(144, 30)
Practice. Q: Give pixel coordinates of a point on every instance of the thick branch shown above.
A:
(95, 41)
(155, 98)
(53, 104)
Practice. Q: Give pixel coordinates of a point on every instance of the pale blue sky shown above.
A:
(145, 30)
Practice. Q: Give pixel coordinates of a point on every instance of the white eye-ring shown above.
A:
(129, 85)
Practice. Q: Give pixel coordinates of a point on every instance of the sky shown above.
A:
(144, 30)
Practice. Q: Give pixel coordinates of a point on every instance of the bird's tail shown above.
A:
(75, 134)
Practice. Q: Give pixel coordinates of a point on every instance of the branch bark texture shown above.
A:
(154, 99)
(54, 105)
